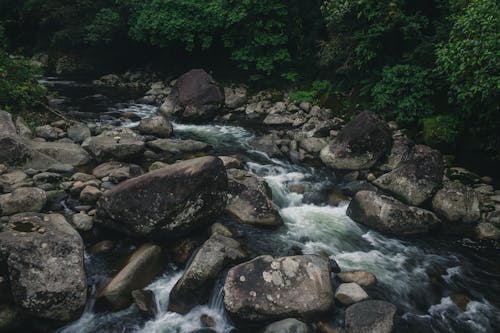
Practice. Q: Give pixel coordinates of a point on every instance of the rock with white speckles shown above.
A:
(266, 288)
(168, 202)
(44, 257)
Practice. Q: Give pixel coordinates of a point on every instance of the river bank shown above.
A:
(439, 282)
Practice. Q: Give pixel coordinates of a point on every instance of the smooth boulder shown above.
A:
(370, 317)
(44, 256)
(268, 288)
(120, 145)
(456, 202)
(167, 202)
(63, 152)
(250, 199)
(417, 179)
(157, 126)
(195, 97)
(359, 145)
(24, 199)
(194, 287)
(389, 215)
(349, 293)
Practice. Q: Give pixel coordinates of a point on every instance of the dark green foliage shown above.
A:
(441, 131)
(19, 91)
(318, 94)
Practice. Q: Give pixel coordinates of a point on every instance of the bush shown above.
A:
(406, 91)
(318, 94)
(441, 131)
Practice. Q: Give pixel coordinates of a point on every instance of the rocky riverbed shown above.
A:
(191, 207)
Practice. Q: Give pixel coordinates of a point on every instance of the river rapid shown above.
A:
(421, 276)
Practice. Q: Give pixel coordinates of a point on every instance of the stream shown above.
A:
(420, 276)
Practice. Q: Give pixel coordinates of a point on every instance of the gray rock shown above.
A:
(47, 178)
(117, 144)
(313, 145)
(25, 199)
(401, 152)
(487, 231)
(456, 202)
(174, 146)
(145, 302)
(250, 199)
(235, 97)
(417, 179)
(389, 215)
(157, 126)
(271, 289)
(167, 202)
(350, 293)
(89, 195)
(44, 256)
(370, 317)
(359, 145)
(62, 152)
(7, 126)
(15, 179)
(194, 287)
(48, 132)
(462, 175)
(17, 151)
(195, 97)
(362, 278)
(141, 268)
(290, 325)
(22, 129)
(82, 221)
(79, 132)
(231, 162)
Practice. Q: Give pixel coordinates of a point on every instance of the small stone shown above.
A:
(83, 222)
(102, 247)
(90, 195)
(349, 293)
(207, 321)
(362, 278)
(371, 177)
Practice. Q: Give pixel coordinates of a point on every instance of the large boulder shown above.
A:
(416, 180)
(359, 145)
(195, 97)
(389, 215)
(141, 268)
(20, 152)
(44, 257)
(265, 288)
(24, 199)
(249, 199)
(63, 152)
(167, 202)
(194, 286)
(370, 317)
(456, 202)
(157, 126)
(120, 144)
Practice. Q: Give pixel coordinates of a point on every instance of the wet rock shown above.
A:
(157, 126)
(370, 317)
(145, 302)
(461, 301)
(235, 97)
(362, 278)
(269, 145)
(218, 228)
(141, 268)
(102, 247)
(207, 321)
(349, 293)
(25, 199)
(79, 132)
(456, 202)
(194, 286)
(389, 215)
(168, 202)
(290, 325)
(174, 146)
(249, 200)
(487, 231)
(323, 327)
(82, 222)
(62, 152)
(336, 197)
(462, 175)
(195, 97)
(118, 144)
(416, 180)
(353, 187)
(359, 145)
(271, 289)
(44, 256)
(183, 249)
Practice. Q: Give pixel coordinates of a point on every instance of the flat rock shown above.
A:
(370, 317)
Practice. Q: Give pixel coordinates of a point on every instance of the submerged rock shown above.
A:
(416, 180)
(249, 199)
(389, 215)
(141, 268)
(194, 286)
(370, 317)
(44, 256)
(195, 97)
(359, 145)
(167, 202)
(271, 289)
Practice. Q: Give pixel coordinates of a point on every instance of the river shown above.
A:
(419, 275)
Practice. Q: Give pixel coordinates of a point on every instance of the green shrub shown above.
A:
(406, 91)
(318, 94)
(441, 131)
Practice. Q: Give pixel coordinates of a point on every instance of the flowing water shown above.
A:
(420, 276)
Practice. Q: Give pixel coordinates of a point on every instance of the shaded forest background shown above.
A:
(431, 65)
